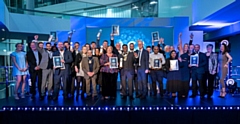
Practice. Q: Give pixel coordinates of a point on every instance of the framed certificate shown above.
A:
(115, 29)
(113, 62)
(53, 36)
(57, 62)
(155, 36)
(156, 63)
(174, 65)
(194, 59)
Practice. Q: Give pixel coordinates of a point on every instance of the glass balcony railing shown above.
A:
(66, 8)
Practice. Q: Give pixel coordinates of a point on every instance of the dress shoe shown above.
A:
(209, 97)
(192, 96)
(138, 96)
(143, 97)
(95, 97)
(55, 98)
(33, 97)
(49, 97)
(131, 97)
(41, 98)
(124, 97)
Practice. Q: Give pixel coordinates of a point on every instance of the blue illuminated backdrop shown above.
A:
(131, 35)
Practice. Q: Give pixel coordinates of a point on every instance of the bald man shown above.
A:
(66, 59)
(142, 70)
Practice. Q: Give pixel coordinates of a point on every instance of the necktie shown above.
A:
(140, 56)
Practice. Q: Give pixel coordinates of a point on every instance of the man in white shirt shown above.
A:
(156, 60)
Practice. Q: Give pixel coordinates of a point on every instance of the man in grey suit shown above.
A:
(127, 71)
(46, 65)
(143, 68)
(62, 72)
(90, 66)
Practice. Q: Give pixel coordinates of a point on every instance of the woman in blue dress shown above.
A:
(20, 68)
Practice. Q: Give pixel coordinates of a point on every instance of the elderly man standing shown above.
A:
(90, 66)
(142, 70)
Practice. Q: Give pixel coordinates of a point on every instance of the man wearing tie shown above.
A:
(197, 72)
(143, 67)
(66, 59)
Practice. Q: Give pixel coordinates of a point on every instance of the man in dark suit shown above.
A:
(72, 77)
(197, 72)
(90, 67)
(127, 71)
(143, 68)
(34, 59)
(62, 72)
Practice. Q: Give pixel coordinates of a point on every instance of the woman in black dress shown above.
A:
(173, 76)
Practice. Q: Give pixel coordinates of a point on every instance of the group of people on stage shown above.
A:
(91, 66)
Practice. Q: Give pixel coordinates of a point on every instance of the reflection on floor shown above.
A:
(229, 100)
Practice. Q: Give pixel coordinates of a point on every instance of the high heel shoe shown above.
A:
(16, 96)
(22, 95)
(223, 93)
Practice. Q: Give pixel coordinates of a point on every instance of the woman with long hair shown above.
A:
(224, 59)
(20, 69)
(173, 76)
(80, 73)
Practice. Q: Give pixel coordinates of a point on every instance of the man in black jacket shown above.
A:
(66, 59)
(34, 59)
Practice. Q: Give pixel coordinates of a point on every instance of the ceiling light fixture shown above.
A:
(135, 7)
(153, 2)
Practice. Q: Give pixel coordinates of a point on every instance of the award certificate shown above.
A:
(156, 63)
(113, 62)
(174, 65)
(194, 59)
(115, 30)
(57, 62)
(155, 36)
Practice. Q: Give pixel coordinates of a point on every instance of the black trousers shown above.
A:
(109, 84)
(198, 77)
(184, 88)
(208, 80)
(36, 76)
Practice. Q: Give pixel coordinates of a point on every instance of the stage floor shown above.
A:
(229, 100)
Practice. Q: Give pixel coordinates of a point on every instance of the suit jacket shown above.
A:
(74, 56)
(85, 67)
(68, 61)
(201, 64)
(144, 60)
(32, 60)
(45, 57)
(130, 62)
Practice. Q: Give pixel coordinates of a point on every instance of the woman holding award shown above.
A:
(174, 74)
(224, 59)
(79, 72)
(109, 63)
